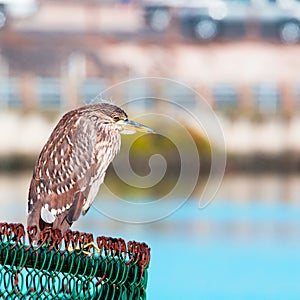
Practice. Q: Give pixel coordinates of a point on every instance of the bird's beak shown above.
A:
(130, 127)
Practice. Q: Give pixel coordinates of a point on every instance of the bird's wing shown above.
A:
(64, 170)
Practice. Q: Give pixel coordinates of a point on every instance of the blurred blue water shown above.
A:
(226, 251)
(242, 246)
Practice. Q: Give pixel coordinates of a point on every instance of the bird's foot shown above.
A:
(85, 249)
(90, 246)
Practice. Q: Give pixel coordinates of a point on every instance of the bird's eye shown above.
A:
(116, 118)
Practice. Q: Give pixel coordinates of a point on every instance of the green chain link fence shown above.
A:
(73, 266)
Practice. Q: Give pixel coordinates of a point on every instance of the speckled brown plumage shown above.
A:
(72, 165)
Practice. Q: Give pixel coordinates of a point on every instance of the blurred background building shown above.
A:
(241, 56)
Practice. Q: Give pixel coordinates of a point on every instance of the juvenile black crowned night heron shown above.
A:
(72, 164)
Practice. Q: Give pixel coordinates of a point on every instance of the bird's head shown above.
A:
(114, 116)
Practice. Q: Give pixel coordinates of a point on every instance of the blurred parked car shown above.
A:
(158, 13)
(2, 15)
(208, 20)
(16, 9)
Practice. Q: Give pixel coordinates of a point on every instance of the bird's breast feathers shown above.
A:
(57, 181)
